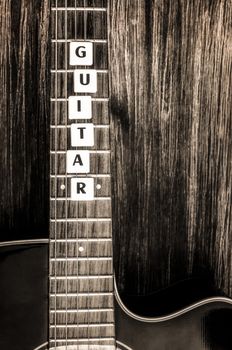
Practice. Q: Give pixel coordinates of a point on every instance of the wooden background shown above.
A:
(171, 135)
(24, 123)
(170, 88)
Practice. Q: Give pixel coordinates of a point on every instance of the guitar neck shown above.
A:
(81, 270)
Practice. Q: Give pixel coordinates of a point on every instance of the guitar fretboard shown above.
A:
(81, 269)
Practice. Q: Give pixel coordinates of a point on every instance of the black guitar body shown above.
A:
(204, 328)
(24, 296)
(24, 316)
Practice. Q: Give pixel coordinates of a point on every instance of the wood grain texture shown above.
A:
(24, 131)
(171, 138)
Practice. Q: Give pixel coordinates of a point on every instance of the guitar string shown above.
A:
(98, 320)
(55, 164)
(98, 238)
(87, 223)
(66, 195)
(108, 120)
(110, 185)
(98, 253)
(77, 231)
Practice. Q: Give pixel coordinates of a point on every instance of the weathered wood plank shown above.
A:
(170, 89)
(24, 127)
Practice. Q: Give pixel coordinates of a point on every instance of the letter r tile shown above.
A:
(82, 189)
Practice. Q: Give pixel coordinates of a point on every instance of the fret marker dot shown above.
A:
(98, 187)
(81, 249)
(62, 187)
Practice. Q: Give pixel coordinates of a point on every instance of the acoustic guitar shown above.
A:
(116, 175)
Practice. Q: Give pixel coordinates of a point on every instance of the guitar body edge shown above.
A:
(203, 326)
(24, 271)
(23, 294)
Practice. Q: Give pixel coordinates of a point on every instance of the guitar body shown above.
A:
(204, 327)
(24, 321)
(24, 295)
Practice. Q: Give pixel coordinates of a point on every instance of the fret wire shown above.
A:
(73, 240)
(76, 9)
(94, 99)
(84, 310)
(100, 41)
(91, 339)
(91, 175)
(99, 258)
(82, 277)
(82, 325)
(70, 199)
(99, 71)
(82, 220)
(96, 126)
(107, 151)
(71, 295)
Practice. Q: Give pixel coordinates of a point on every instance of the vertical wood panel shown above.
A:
(24, 133)
(171, 138)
